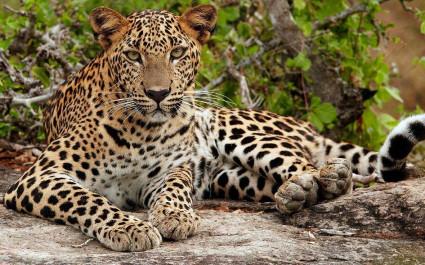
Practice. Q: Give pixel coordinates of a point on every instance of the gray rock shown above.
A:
(336, 232)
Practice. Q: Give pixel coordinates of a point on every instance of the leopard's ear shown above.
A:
(108, 25)
(199, 22)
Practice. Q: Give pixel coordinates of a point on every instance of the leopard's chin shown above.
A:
(159, 116)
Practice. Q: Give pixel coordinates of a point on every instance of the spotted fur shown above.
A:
(124, 133)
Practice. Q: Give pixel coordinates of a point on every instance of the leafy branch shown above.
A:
(310, 59)
(50, 48)
(332, 20)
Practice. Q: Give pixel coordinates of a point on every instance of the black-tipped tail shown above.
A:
(398, 145)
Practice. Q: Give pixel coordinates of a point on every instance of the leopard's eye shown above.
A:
(133, 56)
(177, 53)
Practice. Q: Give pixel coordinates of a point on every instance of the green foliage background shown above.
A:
(352, 44)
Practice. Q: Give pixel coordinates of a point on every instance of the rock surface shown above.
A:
(380, 225)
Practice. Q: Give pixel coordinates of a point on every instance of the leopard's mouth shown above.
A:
(160, 113)
(164, 110)
(171, 108)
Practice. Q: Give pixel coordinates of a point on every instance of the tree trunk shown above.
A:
(324, 81)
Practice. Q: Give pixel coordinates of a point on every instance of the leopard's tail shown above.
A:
(399, 143)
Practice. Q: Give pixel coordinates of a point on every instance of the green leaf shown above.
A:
(14, 113)
(381, 77)
(327, 9)
(317, 123)
(244, 30)
(326, 112)
(41, 136)
(420, 61)
(299, 4)
(300, 61)
(305, 25)
(349, 46)
(315, 102)
(321, 115)
(4, 129)
(423, 27)
(388, 121)
(41, 74)
(230, 13)
(394, 93)
(4, 44)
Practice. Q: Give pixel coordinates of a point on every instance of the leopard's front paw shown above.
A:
(130, 236)
(174, 223)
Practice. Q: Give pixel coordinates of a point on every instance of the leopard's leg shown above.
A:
(271, 157)
(299, 191)
(234, 182)
(316, 148)
(58, 197)
(170, 209)
(333, 179)
(281, 160)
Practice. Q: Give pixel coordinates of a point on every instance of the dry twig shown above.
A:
(20, 100)
(6, 145)
(243, 84)
(18, 12)
(85, 243)
(406, 7)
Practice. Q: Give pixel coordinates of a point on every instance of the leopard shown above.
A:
(124, 132)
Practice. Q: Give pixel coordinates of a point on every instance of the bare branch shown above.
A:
(6, 145)
(15, 75)
(28, 101)
(243, 84)
(18, 12)
(215, 83)
(406, 7)
(51, 47)
(245, 62)
(12, 99)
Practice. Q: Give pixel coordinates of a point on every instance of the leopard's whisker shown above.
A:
(208, 103)
(194, 106)
(114, 109)
(215, 95)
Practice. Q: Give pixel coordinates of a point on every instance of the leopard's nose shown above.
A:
(157, 94)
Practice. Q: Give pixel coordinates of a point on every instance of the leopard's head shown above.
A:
(153, 56)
